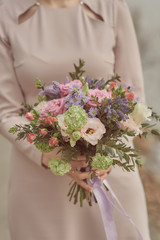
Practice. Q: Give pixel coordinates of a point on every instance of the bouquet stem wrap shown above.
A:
(106, 205)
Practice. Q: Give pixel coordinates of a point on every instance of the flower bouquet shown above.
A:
(85, 116)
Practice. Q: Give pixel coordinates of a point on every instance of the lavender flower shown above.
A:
(100, 84)
(89, 81)
(95, 83)
(52, 91)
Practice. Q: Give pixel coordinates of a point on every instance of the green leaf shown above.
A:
(125, 138)
(119, 154)
(126, 157)
(39, 84)
(131, 133)
(13, 130)
(145, 124)
(155, 132)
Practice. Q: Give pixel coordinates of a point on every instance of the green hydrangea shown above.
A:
(59, 166)
(76, 135)
(75, 118)
(44, 147)
(101, 161)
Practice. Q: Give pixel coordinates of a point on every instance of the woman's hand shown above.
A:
(102, 173)
(75, 172)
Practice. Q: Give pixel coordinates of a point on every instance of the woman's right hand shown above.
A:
(76, 164)
(79, 176)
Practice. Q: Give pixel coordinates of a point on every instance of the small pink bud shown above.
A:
(53, 141)
(50, 120)
(43, 132)
(31, 137)
(29, 115)
(113, 84)
(130, 96)
(55, 119)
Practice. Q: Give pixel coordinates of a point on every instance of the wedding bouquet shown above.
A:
(85, 116)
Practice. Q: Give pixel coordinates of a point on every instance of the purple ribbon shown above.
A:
(107, 205)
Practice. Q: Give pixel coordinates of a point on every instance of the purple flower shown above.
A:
(100, 84)
(121, 115)
(93, 112)
(89, 81)
(52, 91)
(118, 124)
(85, 99)
(74, 88)
(68, 105)
(75, 100)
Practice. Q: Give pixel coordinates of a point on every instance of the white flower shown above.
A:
(131, 125)
(39, 107)
(63, 127)
(141, 113)
(93, 131)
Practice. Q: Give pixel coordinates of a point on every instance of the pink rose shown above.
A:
(53, 141)
(130, 96)
(31, 137)
(29, 115)
(101, 94)
(55, 107)
(113, 85)
(65, 87)
(43, 132)
(93, 131)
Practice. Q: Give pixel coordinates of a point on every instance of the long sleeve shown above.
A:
(11, 96)
(127, 57)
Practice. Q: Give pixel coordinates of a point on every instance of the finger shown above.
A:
(82, 175)
(99, 172)
(85, 186)
(104, 176)
(78, 164)
(81, 158)
(73, 174)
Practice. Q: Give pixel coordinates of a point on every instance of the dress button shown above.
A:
(81, 2)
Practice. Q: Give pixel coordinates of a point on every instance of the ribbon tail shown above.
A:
(121, 210)
(105, 209)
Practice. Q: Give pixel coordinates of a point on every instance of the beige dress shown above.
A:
(46, 45)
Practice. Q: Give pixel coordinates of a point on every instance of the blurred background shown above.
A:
(146, 19)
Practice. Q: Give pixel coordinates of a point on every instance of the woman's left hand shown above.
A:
(102, 173)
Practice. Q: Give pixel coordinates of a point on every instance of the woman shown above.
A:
(44, 39)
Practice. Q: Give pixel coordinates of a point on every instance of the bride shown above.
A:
(43, 39)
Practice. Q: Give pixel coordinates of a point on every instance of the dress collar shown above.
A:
(18, 7)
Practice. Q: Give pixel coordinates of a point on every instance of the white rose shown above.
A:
(141, 113)
(63, 127)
